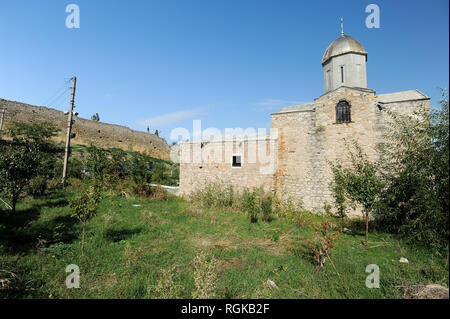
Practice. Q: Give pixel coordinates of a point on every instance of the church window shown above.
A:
(343, 112)
(329, 80)
(342, 74)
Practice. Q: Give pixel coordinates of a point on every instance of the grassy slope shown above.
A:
(128, 246)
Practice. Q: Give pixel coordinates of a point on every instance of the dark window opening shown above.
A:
(329, 80)
(343, 112)
(237, 161)
(342, 74)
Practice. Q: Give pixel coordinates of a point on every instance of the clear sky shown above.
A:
(229, 63)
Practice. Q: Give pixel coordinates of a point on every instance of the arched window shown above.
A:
(343, 112)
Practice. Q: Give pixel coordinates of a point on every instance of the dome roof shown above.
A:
(342, 45)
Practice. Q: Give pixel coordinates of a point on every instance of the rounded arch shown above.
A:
(343, 112)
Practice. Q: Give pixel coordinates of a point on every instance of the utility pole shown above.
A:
(69, 129)
(2, 118)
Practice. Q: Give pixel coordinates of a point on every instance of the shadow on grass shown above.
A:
(116, 235)
(302, 250)
(357, 226)
(20, 232)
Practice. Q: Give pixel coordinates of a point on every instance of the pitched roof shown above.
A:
(308, 107)
(402, 96)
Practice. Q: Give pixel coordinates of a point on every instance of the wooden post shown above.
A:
(69, 129)
(2, 118)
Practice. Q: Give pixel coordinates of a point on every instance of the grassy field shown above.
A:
(145, 249)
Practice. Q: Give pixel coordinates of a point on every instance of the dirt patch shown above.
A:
(131, 255)
(195, 211)
(234, 263)
(431, 291)
(234, 241)
(208, 241)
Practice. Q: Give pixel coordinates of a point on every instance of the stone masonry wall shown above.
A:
(87, 131)
(309, 140)
(212, 162)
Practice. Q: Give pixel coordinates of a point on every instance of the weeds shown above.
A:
(205, 276)
(166, 288)
(256, 203)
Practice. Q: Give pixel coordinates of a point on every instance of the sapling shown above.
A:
(84, 207)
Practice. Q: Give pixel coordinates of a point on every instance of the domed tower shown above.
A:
(344, 64)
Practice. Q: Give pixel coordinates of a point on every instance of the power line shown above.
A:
(58, 92)
(64, 94)
(62, 99)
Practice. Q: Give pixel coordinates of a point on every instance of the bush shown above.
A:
(416, 157)
(322, 243)
(249, 205)
(140, 168)
(287, 206)
(97, 162)
(159, 193)
(153, 192)
(18, 165)
(266, 207)
(255, 203)
(215, 195)
(407, 189)
(159, 175)
(37, 186)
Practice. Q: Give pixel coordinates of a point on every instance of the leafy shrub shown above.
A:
(74, 169)
(159, 193)
(215, 195)
(140, 168)
(416, 170)
(18, 165)
(338, 193)
(153, 192)
(97, 162)
(37, 186)
(29, 154)
(255, 203)
(59, 249)
(159, 175)
(266, 207)
(322, 243)
(54, 184)
(287, 206)
(249, 205)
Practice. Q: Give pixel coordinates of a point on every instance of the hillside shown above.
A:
(87, 131)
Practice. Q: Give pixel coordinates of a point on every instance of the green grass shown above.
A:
(128, 246)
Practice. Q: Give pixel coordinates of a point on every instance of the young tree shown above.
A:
(29, 154)
(95, 117)
(97, 162)
(18, 165)
(84, 207)
(360, 182)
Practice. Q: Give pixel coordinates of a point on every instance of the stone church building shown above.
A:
(293, 158)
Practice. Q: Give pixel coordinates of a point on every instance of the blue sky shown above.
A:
(228, 63)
